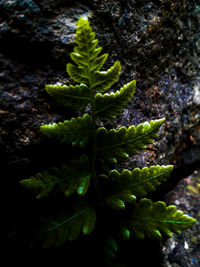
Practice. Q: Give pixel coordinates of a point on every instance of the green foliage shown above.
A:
(85, 55)
(110, 105)
(103, 80)
(74, 177)
(75, 97)
(154, 219)
(121, 143)
(66, 226)
(76, 131)
(110, 250)
(117, 190)
(127, 185)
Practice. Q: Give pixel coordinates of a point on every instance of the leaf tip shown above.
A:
(125, 233)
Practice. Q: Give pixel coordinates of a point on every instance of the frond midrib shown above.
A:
(129, 141)
(148, 179)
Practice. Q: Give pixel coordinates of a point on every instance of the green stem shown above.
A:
(93, 111)
(94, 145)
(94, 150)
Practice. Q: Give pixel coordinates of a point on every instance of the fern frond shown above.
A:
(155, 219)
(127, 185)
(87, 61)
(121, 189)
(85, 54)
(75, 97)
(110, 105)
(74, 177)
(76, 131)
(116, 144)
(67, 226)
(85, 39)
(103, 80)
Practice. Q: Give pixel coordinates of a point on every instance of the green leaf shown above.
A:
(115, 202)
(110, 251)
(85, 54)
(78, 74)
(84, 35)
(97, 63)
(155, 219)
(103, 80)
(110, 105)
(78, 59)
(74, 177)
(76, 131)
(67, 226)
(88, 63)
(116, 144)
(75, 97)
(128, 185)
(124, 233)
(93, 64)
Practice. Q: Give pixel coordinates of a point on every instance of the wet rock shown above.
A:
(183, 250)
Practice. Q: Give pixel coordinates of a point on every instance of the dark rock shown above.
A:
(183, 250)
(157, 43)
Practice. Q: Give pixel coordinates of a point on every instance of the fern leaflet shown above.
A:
(103, 80)
(116, 144)
(154, 219)
(75, 97)
(127, 185)
(88, 63)
(66, 226)
(110, 251)
(74, 177)
(110, 105)
(75, 131)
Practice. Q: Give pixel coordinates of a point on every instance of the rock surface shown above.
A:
(157, 43)
(183, 250)
(160, 50)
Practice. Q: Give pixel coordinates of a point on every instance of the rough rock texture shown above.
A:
(157, 43)
(183, 250)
